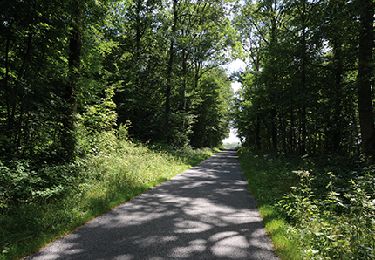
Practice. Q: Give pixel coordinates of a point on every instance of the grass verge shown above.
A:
(108, 177)
(269, 180)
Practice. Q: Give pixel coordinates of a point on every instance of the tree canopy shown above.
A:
(95, 65)
(103, 99)
(309, 78)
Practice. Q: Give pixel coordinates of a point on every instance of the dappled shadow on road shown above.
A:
(204, 213)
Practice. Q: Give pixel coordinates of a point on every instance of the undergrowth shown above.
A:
(314, 208)
(38, 204)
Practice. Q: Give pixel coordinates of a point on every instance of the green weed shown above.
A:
(314, 208)
(115, 171)
(269, 180)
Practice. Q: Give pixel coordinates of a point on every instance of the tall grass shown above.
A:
(115, 171)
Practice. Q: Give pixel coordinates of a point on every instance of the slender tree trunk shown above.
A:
(274, 129)
(183, 88)
(337, 120)
(6, 77)
(138, 46)
(138, 31)
(183, 81)
(17, 96)
(197, 71)
(169, 74)
(282, 124)
(292, 128)
(68, 140)
(302, 143)
(258, 142)
(365, 76)
(273, 86)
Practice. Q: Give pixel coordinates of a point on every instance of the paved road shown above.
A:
(204, 213)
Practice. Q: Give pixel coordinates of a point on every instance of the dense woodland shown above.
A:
(103, 99)
(308, 84)
(95, 65)
(305, 113)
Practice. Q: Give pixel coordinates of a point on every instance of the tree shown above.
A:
(211, 110)
(69, 94)
(365, 75)
(299, 93)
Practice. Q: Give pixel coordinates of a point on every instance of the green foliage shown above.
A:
(314, 214)
(23, 184)
(39, 204)
(212, 110)
(270, 178)
(100, 64)
(78, 80)
(100, 117)
(299, 90)
(339, 225)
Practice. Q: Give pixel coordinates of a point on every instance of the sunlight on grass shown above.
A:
(119, 172)
(268, 182)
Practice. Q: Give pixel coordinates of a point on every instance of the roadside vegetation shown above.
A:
(99, 101)
(88, 87)
(41, 203)
(314, 208)
(305, 113)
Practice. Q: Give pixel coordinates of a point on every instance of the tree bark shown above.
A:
(183, 81)
(365, 76)
(138, 46)
(273, 84)
(68, 140)
(292, 135)
(302, 141)
(258, 142)
(169, 74)
(337, 120)
(6, 80)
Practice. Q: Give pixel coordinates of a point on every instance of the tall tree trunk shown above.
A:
(365, 76)
(183, 81)
(169, 74)
(337, 120)
(258, 141)
(138, 31)
(282, 125)
(68, 140)
(302, 140)
(17, 95)
(197, 71)
(274, 129)
(292, 138)
(273, 86)
(183, 88)
(6, 80)
(138, 37)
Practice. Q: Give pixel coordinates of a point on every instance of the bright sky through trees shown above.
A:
(236, 65)
(232, 140)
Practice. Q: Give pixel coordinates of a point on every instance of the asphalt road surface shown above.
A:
(203, 213)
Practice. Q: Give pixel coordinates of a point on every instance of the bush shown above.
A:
(20, 183)
(338, 225)
(38, 204)
(324, 211)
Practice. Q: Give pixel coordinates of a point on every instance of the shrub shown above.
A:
(339, 225)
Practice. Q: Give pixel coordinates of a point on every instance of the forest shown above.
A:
(103, 99)
(305, 113)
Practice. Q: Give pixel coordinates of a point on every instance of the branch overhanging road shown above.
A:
(203, 213)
